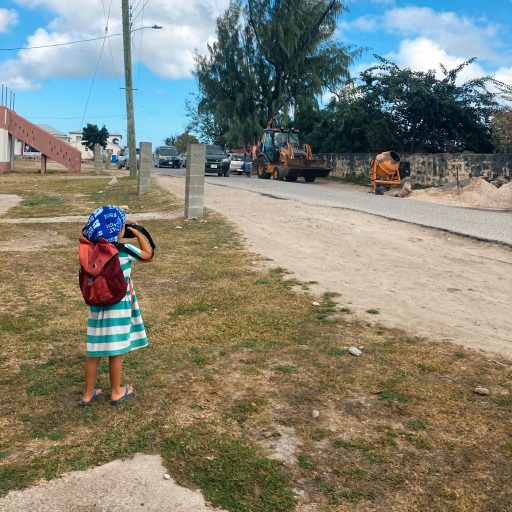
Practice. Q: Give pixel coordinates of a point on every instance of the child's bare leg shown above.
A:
(91, 369)
(115, 368)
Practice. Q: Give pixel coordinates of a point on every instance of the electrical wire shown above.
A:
(57, 44)
(69, 42)
(140, 47)
(141, 10)
(78, 117)
(97, 65)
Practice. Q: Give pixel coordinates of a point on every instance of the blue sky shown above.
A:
(69, 86)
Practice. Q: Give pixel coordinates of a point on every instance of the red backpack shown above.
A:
(101, 278)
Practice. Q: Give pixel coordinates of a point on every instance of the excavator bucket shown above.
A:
(302, 165)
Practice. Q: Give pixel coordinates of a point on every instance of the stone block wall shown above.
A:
(427, 169)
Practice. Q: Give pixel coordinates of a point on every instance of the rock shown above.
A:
(481, 391)
(316, 303)
(354, 351)
(315, 413)
(178, 227)
(167, 476)
(113, 182)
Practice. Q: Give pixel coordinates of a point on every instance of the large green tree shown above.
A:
(501, 125)
(92, 135)
(409, 111)
(423, 113)
(181, 141)
(271, 59)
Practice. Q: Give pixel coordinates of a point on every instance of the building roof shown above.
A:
(110, 134)
(51, 130)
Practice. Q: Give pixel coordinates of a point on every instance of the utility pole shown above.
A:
(130, 131)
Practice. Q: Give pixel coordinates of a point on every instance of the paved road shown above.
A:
(479, 224)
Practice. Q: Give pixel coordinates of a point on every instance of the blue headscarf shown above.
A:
(104, 222)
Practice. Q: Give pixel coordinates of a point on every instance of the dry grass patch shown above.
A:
(55, 194)
(238, 361)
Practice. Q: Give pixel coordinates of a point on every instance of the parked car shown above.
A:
(123, 159)
(166, 156)
(236, 162)
(217, 161)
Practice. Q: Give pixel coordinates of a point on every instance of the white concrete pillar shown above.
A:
(194, 182)
(5, 142)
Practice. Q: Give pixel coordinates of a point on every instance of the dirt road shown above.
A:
(425, 281)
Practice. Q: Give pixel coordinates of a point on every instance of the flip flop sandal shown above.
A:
(87, 404)
(127, 394)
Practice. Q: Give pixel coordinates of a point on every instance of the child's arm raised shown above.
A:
(146, 252)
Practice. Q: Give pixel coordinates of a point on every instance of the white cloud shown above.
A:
(423, 54)
(187, 25)
(8, 18)
(367, 23)
(457, 35)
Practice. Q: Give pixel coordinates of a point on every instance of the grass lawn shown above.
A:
(247, 389)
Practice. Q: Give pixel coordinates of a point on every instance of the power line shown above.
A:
(70, 42)
(76, 117)
(56, 44)
(140, 11)
(97, 64)
(140, 48)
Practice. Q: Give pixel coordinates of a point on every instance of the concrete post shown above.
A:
(43, 163)
(98, 159)
(5, 150)
(194, 183)
(145, 165)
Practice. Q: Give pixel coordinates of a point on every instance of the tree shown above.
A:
(171, 141)
(181, 141)
(501, 126)
(271, 59)
(421, 113)
(409, 111)
(92, 135)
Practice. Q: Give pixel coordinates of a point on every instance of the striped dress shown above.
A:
(117, 329)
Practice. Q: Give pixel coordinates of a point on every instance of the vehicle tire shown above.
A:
(261, 168)
(119, 166)
(219, 174)
(379, 189)
(309, 179)
(291, 178)
(278, 173)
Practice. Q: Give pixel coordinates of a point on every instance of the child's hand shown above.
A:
(134, 231)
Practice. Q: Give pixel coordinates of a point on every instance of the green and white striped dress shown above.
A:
(117, 329)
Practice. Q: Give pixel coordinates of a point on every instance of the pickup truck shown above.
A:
(123, 160)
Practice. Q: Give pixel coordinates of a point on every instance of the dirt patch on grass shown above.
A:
(8, 201)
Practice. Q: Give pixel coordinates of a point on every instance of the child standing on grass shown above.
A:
(117, 329)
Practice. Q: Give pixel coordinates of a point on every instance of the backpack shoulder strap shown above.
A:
(122, 247)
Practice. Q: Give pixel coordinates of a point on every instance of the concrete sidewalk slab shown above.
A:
(137, 484)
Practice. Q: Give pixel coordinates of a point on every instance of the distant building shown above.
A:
(22, 149)
(113, 144)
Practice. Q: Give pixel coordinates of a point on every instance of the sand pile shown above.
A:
(478, 193)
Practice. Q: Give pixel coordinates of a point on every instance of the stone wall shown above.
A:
(427, 169)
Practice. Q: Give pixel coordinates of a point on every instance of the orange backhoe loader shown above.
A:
(280, 156)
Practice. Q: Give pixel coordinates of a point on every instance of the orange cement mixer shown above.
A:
(385, 172)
